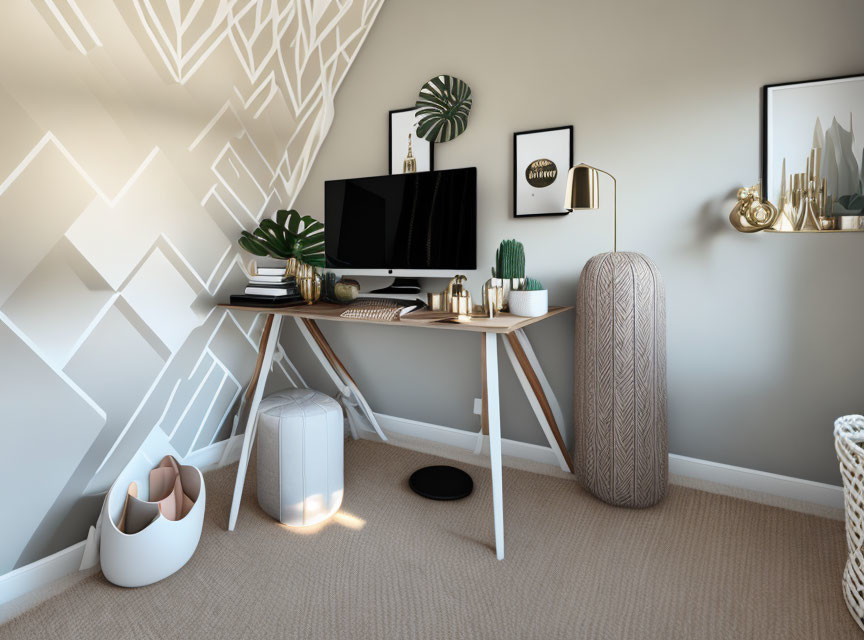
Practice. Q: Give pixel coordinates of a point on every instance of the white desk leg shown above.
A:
(269, 338)
(494, 414)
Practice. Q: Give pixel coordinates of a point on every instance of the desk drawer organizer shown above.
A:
(161, 547)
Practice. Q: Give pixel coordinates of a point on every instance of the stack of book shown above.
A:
(269, 287)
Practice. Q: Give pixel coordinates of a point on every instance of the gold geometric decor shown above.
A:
(812, 173)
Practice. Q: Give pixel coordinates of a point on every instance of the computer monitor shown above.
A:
(411, 225)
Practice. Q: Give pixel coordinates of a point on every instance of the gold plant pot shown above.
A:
(292, 267)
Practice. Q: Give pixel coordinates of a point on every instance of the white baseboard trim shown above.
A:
(211, 456)
(26, 586)
(815, 498)
(785, 487)
(33, 577)
(462, 439)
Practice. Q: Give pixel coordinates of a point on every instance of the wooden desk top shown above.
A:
(503, 323)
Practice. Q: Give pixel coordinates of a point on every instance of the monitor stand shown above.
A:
(401, 286)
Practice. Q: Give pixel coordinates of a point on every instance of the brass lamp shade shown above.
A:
(583, 190)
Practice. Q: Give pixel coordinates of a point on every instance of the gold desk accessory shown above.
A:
(309, 282)
(435, 301)
(493, 297)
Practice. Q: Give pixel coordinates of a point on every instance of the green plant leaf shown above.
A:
(289, 235)
(443, 107)
(252, 245)
(311, 228)
(313, 239)
(293, 221)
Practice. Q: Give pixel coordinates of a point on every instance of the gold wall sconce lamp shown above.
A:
(583, 193)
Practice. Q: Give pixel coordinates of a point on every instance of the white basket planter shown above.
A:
(162, 547)
(848, 438)
(529, 304)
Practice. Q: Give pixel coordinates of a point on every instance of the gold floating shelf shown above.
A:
(803, 214)
(813, 231)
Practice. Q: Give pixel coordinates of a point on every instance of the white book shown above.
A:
(268, 279)
(267, 291)
(271, 271)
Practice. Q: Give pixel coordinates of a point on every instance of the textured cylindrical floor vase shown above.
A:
(622, 446)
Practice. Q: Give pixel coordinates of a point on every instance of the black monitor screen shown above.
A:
(422, 220)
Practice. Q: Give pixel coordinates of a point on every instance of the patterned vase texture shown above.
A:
(622, 450)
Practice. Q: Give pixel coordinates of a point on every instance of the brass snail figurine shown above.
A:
(751, 213)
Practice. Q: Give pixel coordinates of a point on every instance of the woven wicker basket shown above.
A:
(848, 438)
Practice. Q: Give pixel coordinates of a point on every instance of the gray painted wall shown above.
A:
(764, 339)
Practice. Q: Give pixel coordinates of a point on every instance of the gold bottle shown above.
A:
(409, 164)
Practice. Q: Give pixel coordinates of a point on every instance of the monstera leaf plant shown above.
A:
(290, 235)
(442, 109)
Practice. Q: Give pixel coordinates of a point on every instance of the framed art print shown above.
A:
(408, 153)
(811, 122)
(541, 161)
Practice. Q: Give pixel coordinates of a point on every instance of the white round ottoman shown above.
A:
(300, 438)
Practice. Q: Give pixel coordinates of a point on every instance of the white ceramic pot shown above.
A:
(529, 303)
(158, 550)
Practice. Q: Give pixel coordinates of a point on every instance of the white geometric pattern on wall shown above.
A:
(139, 139)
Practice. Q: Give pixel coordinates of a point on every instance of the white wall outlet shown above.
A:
(478, 406)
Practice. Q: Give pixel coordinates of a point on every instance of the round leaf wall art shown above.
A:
(442, 109)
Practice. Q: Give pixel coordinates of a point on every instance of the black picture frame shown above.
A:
(763, 99)
(390, 141)
(516, 177)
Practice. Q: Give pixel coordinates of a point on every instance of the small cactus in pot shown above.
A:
(509, 270)
(531, 300)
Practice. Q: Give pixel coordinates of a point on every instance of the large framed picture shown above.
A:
(541, 161)
(408, 153)
(810, 123)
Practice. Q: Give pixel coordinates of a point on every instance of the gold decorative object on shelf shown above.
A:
(805, 204)
(493, 297)
(346, 290)
(309, 282)
(804, 208)
(409, 164)
(292, 267)
(750, 214)
(459, 297)
(435, 301)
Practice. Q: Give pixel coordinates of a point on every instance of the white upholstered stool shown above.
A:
(300, 440)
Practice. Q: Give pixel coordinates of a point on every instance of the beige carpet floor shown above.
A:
(393, 565)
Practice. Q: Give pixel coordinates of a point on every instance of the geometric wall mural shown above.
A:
(139, 139)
